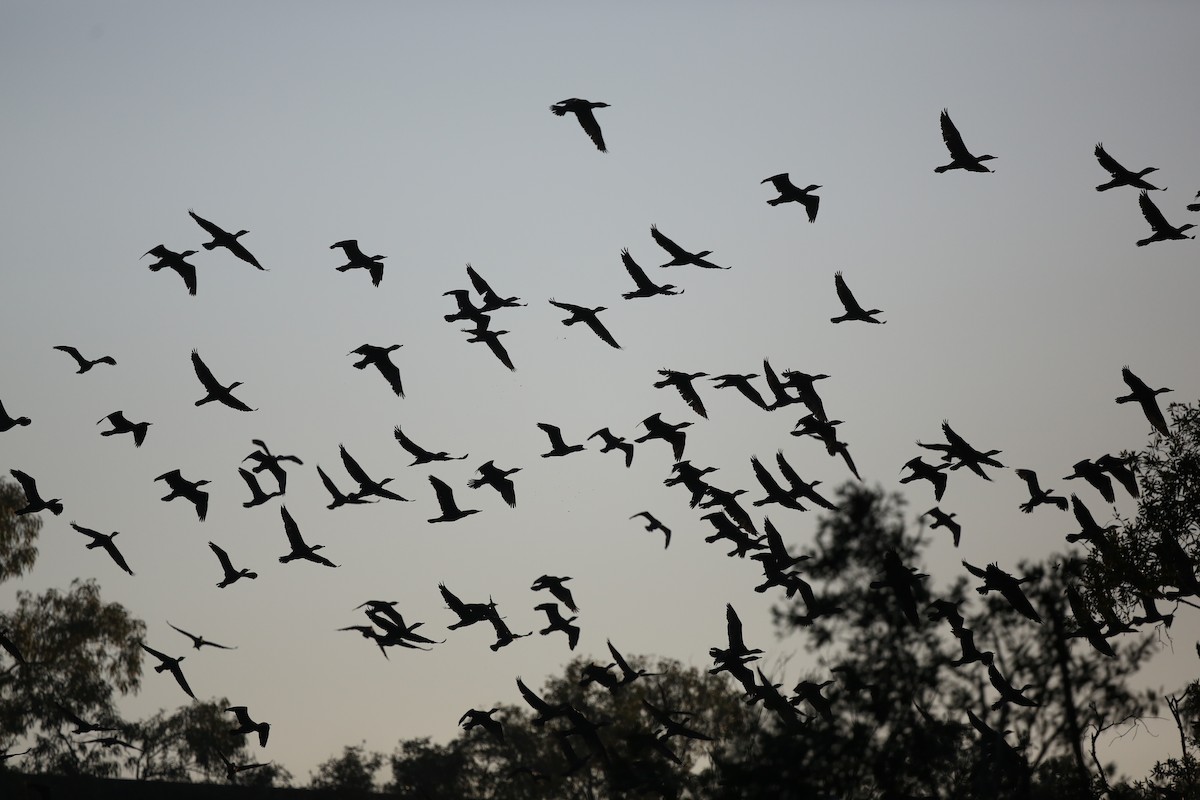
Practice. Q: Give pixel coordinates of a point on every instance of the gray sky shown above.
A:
(1012, 300)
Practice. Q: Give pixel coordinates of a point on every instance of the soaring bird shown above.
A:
(33, 501)
(1142, 394)
(232, 770)
(466, 309)
(7, 423)
(497, 478)
(775, 492)
(628, 673)
(1120, 175)
(905, 583)
(741, 382)
(1163, 230)
(481, 334)
(679, 256)
(582, 109)
(340, 498)
(467, 613)
(928, 472)
(733, 632)
(854, 312)
(213, 387)
(800, 488)
(122, 425)
(445, 497)
(588, 317)
(1037, 495)
(943, 520)
(248, 726)
(380, 358)
(367, 486)
(1097, 477)
(996, 579)
(645, 286)
(545, 711)
(957, 447)
(1088, 628)
(300, 549)
(652, 524)
(790, 193)
(84, 364)
(231, 574)
(673, 434)
(556, 622)
(504, 635)
(266, 460)
(810, 692)
(613, 442)
(199, 641)
(257, 495)
(825, 431)
(491, 300)
(555, 586)
(1119, 468)
(806, 391)
(474, 718)
(188, 490)
(558, 447)
(1008, 692)
(673, 727)
(223, 238)
(682, 381)
(81, 725)
(420, 454)
(359, 260)
(743, 541)
(104, 540)
(960, 155)
(167, 663)
(175, 261)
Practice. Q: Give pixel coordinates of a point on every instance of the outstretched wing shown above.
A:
(1107, 161)
(1157, 221)
(636, 272)
(844, 294)
(214, 230)
(666, 244)
(588, 120)
(203, 372)
(952, 138)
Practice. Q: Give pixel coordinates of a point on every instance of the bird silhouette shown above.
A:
(105, 541)
(168, 664)
(825, 431)
(33, 501)
(678, 255)
(800, 488)
(1163, 230)
(682, 382)
(248, 726)
(854, 312)
(582, 109)
(339, 498)
(943, 520)
(905, 583)
(957, 447)
(743, 542)
(1089, 529)
(231, 575)
(652, 524)
(380, 358)
(628, 673)
(497, 478)
(996, 579)
(1120, 175)
(670, 726)
(270, 462)
(613, 442)
(1144, 396)
(927, 472)
(357, 259)
(188, 490)
(645, 286)
(421, 455)
(804, 385)
(555, 586)
(775, 492)
(223, 238)
(467, 613)
(1008, 692)
(300, 549)
(558, 447)
(82, 725)
(544, 711)
(175, 261)
(556, 622)
(960, 155)
(84, 364)
(790, 193)
(233, 770)
(213, 388)
(1094, 475)
(445, 497)
(122, 425)
(481, 334)
(491, 300)
(1119, 468)
(741, 382)
(466, 309)
(474, 718)
(810, 692)
(673, 434)
(588, 317)
(367, 486)
(7, 423)
(504, 635)
(199, 641)
(1088, 628)
(692, 479)
(1037, 495)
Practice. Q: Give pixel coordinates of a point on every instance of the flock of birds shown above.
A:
(386, 628)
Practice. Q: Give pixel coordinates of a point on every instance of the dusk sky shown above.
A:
(1012, 300)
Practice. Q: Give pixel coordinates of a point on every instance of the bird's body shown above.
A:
(652, 524)
(481, 334)
(299, 548)
(556, 622)
(588, 317)
(445, 497)
(491, 300)
(474, 718)
(679, 256)
(213, 388)
(790, 193)
(673, 434)
(996, 579)
(582, 109)
(266, 460)
(247, 726)
(928, 472)
(85, 364)
(122, 425)
(223, 238)
(231, 575)
(497, 478)
(175, 261)
(1144, 396)
(1163, 230)
(421, 455)
(168, 664)
(380, 358)
(853, 311)
(1120, 175)
(943, 520)
(338, 497)
(104, 541)
(199, 641)
(555, 585)
(357, 259)
(645, 286)
(613, 442)
(1037, 495)
(960, 155)
(33, 500)
(682, 381)
(1092, 473)
(741, 382)
(188, 490)
(367, 486)
(257, 495)
(558, 447)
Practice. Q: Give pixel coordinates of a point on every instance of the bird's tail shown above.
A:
(209, 245)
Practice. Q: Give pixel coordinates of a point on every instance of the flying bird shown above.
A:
(1163, 230)
(247, 726)
(790, 193)
(167, 663)
(1037, 495)
(231, 574)
(1143, 395)
(33, 501)
(359, 260)
(270, 462)
(177, 262)
(960, 155)
(582, 109)
(445, 497)
(85, 364)
(122, 425)
(1119, 469)
(652, 524)
(474, 718)
(682, 381)
(679, 256)
(555, 586)
(673, 434)
(188, 490)
(199, 641)
(491, 300)
(741, 382)
(420, 454)
(613, 442)
(645, 286)
(556, 622)
(497, 478)
(300, 549)
(339, 498)
(223, 238)
(588, 317)
(927, 472)
(7, 423)
(1120, 175)
(996, 579)
(1097, 477)
(213, 387)
(105, 541)
(854, 312)
(380, 358)
(943, 520)
(481, 334)
(367, 486)
(558, 447)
